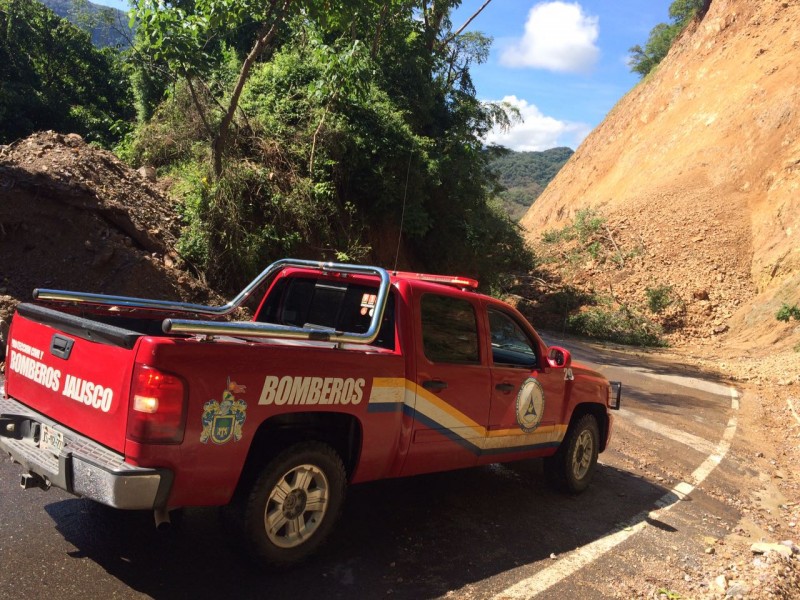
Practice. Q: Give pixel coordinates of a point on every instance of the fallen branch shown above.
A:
(611, 238)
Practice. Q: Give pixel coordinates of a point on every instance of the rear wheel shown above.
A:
(294, 503)
(572, 467)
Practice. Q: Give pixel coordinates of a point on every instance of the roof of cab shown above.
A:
(457, 281)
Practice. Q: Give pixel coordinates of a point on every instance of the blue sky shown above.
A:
(562, 63)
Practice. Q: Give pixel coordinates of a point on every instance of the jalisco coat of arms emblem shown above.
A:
(224, 420)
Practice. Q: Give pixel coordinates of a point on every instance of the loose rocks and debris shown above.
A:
(73, 216)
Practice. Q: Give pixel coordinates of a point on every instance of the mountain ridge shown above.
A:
(106, 25)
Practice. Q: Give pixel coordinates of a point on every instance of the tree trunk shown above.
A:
(266, 35)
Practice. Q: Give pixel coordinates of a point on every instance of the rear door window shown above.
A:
(449, 330)
(324, 304)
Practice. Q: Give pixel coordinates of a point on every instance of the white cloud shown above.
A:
(537, 131)
(558, 36)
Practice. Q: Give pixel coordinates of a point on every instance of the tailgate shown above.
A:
(74, 370)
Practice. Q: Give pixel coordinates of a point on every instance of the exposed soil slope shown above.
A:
(74, 217)
(698, 169)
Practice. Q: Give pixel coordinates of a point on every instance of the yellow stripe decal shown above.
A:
(400, 391)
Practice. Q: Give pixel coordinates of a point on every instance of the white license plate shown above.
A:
(51, 440)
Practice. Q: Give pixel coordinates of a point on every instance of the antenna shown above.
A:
(403, 214)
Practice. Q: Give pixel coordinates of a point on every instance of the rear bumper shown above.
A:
(84, 467)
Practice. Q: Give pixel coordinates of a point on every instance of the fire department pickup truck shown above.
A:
(345, 374)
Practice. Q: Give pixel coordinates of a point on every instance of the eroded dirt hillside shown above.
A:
(697, 173)
(75, 217)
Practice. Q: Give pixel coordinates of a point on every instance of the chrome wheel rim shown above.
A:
(582, 456)
(296, 506)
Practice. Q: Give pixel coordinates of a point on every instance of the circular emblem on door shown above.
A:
(530, 405)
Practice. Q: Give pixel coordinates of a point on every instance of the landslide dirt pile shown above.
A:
(74, 217)
(697, 174)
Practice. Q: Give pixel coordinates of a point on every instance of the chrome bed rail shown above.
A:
(242, 328)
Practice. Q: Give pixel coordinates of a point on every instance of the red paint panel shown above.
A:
(87, 392)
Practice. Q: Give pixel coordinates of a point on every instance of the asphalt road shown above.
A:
(490, 532)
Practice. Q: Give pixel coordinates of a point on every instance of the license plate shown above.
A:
(51, 440)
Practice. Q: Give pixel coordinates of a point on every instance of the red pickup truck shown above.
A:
(345, 374)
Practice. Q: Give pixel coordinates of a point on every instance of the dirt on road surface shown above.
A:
(756, 555)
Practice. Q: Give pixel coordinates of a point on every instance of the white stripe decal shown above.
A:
(387, 390)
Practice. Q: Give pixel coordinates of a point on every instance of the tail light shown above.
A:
(157, 410)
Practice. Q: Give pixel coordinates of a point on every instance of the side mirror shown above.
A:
(559, 358)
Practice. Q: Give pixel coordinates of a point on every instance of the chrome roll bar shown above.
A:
(243, 328)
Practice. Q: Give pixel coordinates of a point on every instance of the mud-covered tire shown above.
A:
(572, 467)
(294, 504)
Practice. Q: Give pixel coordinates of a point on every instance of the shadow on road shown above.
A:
(411, 538)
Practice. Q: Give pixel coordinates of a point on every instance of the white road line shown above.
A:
(676, 435)
(579, 558)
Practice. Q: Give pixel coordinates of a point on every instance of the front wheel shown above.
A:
(572, 467)
(294, 503)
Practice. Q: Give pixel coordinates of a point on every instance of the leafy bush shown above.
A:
(786, 312)
(619, 325)
(659, 298)
(587, 222)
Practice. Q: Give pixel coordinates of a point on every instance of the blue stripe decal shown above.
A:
(448, 433)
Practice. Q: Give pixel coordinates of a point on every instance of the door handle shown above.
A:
(434, 385)
(505, 387)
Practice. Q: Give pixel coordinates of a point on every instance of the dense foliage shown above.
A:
(52, 77)
(308, 129)
(524, 175)
(345, 131)
(681, 13)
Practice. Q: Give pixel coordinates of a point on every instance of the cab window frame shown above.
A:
(532, 342)
(445, 331)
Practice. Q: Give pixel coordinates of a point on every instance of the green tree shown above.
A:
(186, 34)
(357, 131)
(681, 12)
(51, 77)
